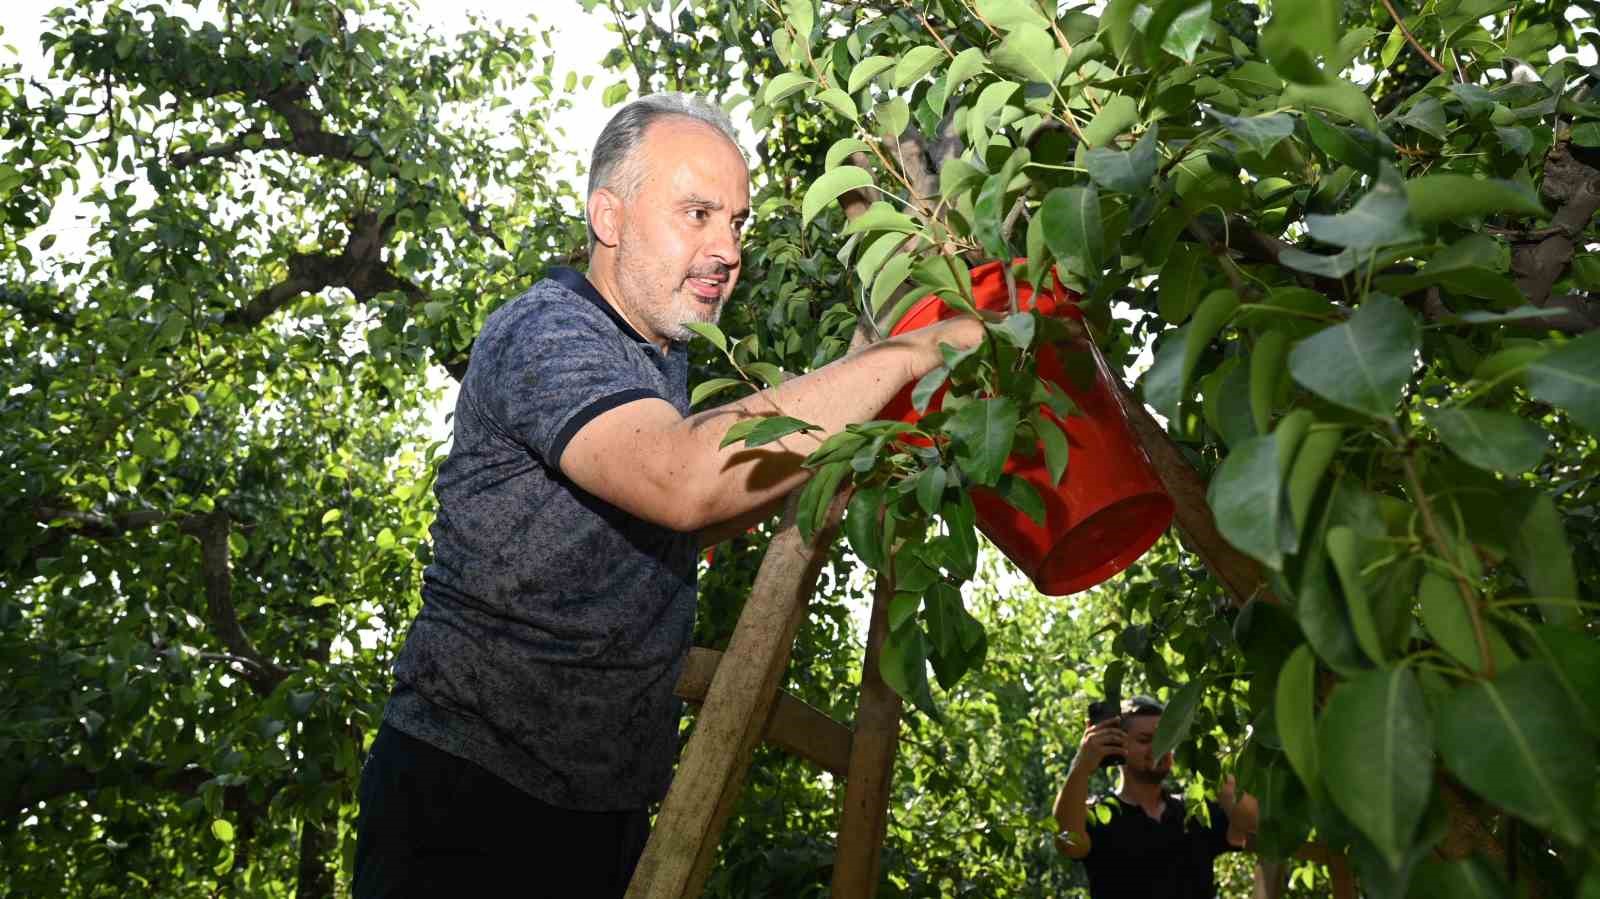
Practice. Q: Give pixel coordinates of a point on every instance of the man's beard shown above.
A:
(678, 306)
(685, 307)
(1147, 775)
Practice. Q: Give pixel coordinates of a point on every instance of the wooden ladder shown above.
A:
(743, 703)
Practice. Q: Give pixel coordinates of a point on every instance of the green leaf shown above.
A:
(785, 85)
(811, 509)
(930, 489)
(927, 386)
(983, 431)
(769, 374)
(1072, 229)
(1540, 551)
(1310, 464)
(881, 216)
(1213, 313)
(331, 516)
(841, 149)
(1363, 364)
(839, 102)
(1511, 741)
(892, 116)
(862, 528)
(710, 388)
(1312, 24)
(829, 187)
(1378, 219)
(1447, 619)
(802, 16)
(1574, 663)
(1335, 266)
(1181, 280)
(1177, 718)
(1246, 496)
(1118, 113)
(1017, 493)
(1342, 145)
(1345, 552)
(1016, 330)
(903, 663)
(889, 278)
(967, 63)
(1295, 710)
(1260, 133)
(1569, 377)
(1339, 96)
(1054, 441)
(866, 70)
(960, 519)
(1124, 171)
(1427, 116)
(915, 64)
(1008, 14)
(1436, 199)
(1027, 51)
(1266, 374)
(1375, 745)
(222, 830)
(1496, 441)
(1178, 26)
(777, 427)
(958, 639)
(710, 332)
(1467, 878)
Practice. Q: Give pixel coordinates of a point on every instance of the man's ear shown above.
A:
(605, 216)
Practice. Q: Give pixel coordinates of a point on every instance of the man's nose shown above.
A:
(725, 247)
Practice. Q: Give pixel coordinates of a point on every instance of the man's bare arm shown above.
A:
(1072, 801)
(644, 458)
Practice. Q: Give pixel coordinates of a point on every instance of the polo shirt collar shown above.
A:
(579, 283)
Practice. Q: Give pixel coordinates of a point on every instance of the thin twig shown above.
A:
(1400, 23)
(1437, 536)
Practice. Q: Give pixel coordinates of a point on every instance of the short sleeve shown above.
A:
(551, 365)
(1216, 835)
(1092, 825)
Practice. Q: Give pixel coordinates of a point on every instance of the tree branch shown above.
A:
(1237, 572)
(36, 312)
(49, 779)
(230, 149)
(1539, 261)
(1401, 24)
(212, 530)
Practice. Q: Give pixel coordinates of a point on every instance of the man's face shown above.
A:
(1141, 730)
(678, 243)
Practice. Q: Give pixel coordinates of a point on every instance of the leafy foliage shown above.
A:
(1357, 249)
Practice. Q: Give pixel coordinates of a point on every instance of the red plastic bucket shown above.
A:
(1109, 507)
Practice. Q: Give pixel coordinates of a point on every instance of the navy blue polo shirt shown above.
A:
(554, 625)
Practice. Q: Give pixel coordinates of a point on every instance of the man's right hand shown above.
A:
(961, 332)
(1102, 739)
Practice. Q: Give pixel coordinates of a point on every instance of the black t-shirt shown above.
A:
(1137, 856)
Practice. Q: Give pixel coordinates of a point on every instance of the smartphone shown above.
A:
(1106, 710)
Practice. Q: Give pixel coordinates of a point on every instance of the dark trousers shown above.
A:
(435, 825)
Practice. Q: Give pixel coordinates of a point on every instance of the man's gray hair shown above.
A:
(613, 162)
(611, 166)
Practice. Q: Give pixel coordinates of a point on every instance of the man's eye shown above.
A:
(699, 215)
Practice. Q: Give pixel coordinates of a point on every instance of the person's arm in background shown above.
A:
(646, 459)
(1242, 810)
(1072, 801)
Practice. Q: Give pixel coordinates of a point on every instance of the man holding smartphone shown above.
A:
(1149, 847)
